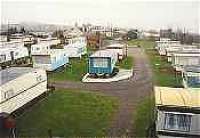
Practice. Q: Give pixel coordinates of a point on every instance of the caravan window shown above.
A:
(180, 122)
(2, 58)
(193, 81)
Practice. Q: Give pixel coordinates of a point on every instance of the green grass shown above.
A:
(74, 72)
(143, 116)
(69, 113)
(144, 43)
(163, 72)
(126, 63)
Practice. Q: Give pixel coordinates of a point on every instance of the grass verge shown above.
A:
(143, 116)
(126, 63)
(163, 72)
(69, 113)
(74, 72)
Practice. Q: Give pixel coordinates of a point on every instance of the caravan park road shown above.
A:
(130, 92)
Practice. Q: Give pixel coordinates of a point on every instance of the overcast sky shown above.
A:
(123, 13)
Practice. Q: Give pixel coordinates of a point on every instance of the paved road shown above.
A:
(129, 92)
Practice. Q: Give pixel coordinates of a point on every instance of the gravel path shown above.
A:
(129, 92)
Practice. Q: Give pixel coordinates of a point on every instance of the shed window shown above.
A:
(180, 122)
(100, 62)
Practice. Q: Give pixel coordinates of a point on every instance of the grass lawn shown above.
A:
(69, 113)
(126, 63)
(74, 72)
(164, 74)
(143, 116)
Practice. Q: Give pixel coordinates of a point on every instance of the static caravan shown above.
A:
(43, 46)
(49, 41)
(172, 50)
(102, 62)
(52, 60)
(19, 86)
(185, 58)
(40, 49)
(12, 53)
(120, 49)
(191, 76)
(163, 44)
(76, 47)
(10, 44)
(177, 112)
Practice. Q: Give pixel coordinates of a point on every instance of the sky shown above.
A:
(143, 14)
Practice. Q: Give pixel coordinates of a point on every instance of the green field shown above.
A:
(74, 72)
(69, 113)
(126, 63)
(164, 74)
(143, 116)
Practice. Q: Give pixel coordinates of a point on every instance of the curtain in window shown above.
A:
(179, 122)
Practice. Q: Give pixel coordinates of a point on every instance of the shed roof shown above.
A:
(12, 73)
(178, 97)
(104, 53)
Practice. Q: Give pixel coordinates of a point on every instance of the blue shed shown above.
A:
(102, 62)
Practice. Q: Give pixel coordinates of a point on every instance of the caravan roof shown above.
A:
(177, 97)
(12, 73)
(104, 53)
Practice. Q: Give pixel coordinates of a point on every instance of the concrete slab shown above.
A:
(123, 74)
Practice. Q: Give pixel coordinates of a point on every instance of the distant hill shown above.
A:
(35, 26)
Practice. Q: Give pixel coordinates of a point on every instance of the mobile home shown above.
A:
(102, 62)
(11, 52)
(172, 50)
(120, 49)
(76, 47)
(177, 112)
(52, 60)
(184, 58)
(191, 76)
(163, 44)
(19, 86)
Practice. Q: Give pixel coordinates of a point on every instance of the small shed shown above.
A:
(102, 62)
(177, 112)
(191, 76)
